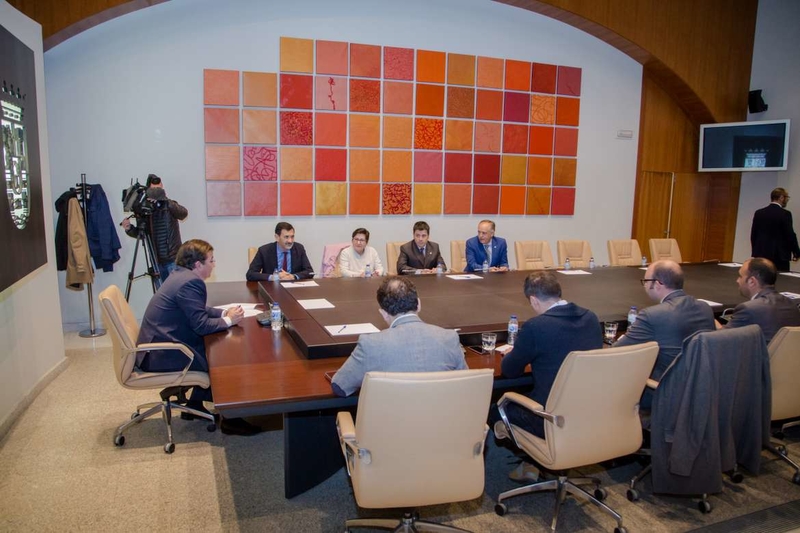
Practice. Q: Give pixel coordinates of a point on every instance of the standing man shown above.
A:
(283, 258)
(420, 256)
(486, 247)
(765, 306)
(178, 313)
(354, 259)
(409, 345)
(772, 234)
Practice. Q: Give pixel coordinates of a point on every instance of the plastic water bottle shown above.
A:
(632, 314)
(276, 276)
(567, 266)
(276, 317)
(368, 271)
(591, 263)
(439, 268)
(644, 261)
(513, 329)
(485, 267)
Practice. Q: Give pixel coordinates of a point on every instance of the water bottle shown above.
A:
(368, 271)
(513, 329)
(276, 276)
(439, 268)
(644, 261)
(632, 314)
(276, 317)
(567, 266)
(485, 267)
(591, 262)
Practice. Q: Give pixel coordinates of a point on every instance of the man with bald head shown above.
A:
(772, 234)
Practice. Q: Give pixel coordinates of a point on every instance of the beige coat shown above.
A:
(79, 261)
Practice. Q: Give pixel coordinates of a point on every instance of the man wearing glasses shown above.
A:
(354, 260)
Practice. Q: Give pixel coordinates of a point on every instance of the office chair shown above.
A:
(624, 252)
(418, 440)
(533, 255)
(121, 324)
(392, 253)
(579, 253)
(784, 365)
(665, 249)
(458, 256)
(582, 427)
(251, 253)
(330, 259)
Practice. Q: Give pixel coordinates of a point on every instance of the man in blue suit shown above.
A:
(283, 258)
(486, 247)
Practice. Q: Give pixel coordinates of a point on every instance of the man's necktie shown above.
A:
(422, 251)
(488, 249)
(285, 266)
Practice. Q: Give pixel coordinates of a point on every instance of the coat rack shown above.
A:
(84, 191)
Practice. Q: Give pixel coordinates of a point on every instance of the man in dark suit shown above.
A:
(772, 234)
(283, 258)
(486, 247)
(765, 306)
(420, 256)
(178, 313)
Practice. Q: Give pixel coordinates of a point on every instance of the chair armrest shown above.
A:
(532, 406)
(652, 384)
(347, 438)
(170, 346)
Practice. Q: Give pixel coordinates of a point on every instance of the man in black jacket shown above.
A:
(772, 234)
(282, 260)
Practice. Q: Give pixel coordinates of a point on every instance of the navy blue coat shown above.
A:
(476, 254)
(266, 261)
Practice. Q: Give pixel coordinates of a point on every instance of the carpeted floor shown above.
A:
(60, 471)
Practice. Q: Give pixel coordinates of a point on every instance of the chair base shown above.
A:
(409, 523)
(780, 450)
(704, 506)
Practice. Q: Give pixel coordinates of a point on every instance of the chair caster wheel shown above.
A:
(779, 435)
(620, 529)
(600, 494)
(704, 506)
(119, 440)
(211, 428)
(781, 449)
(633, 495)
(169, 447)
(796, 478)
(737, 477)
(500, 509)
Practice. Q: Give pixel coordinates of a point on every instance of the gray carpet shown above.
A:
(60, 471)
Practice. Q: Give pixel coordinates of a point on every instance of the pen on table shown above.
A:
(342, 329)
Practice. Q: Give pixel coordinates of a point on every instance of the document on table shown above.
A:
(316, 303)
(791, 295)
(463, 276)
(351, 329)
(574, 272)
(709, 302)
(793, 274)
(249, 309)
(297, 284)
(732, 265)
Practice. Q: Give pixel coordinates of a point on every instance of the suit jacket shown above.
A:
(769, 309)
(266, 261)
(772, 236)
(178, 313)
(410, 259)
(408, 345)
(476, 254)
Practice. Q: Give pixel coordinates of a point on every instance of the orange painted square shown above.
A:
(260, 89)
(330, 164)
(222, 163)
(220, 87)
(564, 171)
(365, 165)
(398, 97)
(297, 55)
(457, 199)
(490, 72)
(223, 198)
(332, 57)
(430, 66)
(567, 111)
(365, 198)
(518, 75)
(566, 142)
(296, 164)
(330, 129)
(397, 199)
(458, 135)
(538, 201)
(221, 125)
(486, 199)
(490, 105)
(396, 166)
(427, 199)
(365, 131)
(512, 200)
(297, 199)
(513, 169)
(398, 132)
(487, 137)
(430, 100)
(365, 95)
(331, 199)
(543, 109)
(460, 102)
(540, 140)
(428, 133)
(259, 126)
(460, 69)
(365, 60)
(540, 170)
(260, 199)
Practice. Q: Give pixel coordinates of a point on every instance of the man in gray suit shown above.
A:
(409, 345)
(420, 256)
(765, 307)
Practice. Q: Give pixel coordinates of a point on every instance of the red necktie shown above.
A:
(285, 266)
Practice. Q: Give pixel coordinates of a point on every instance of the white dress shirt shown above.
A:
(352, 265)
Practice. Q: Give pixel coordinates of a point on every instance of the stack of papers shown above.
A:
(793, 274)
(709, 302)
(249, 309)
(791, 295)
(316, 303)
(463, 276)
(297, 284)
(351, 329)
(578, 272)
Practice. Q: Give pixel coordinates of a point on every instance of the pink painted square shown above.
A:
(331, 92)
(398, 97)
(297, 127)
(398, 63)
(224, 198)
(487, 137)
(260, 163)
(260, 199)
(365, 60)
(220, 87)
(563, 201)
(221, 125)
(569, 81)
(332, 57)
(296, 91)
(428, 167)
(396, 199)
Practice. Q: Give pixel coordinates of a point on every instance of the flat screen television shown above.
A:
(744, 146)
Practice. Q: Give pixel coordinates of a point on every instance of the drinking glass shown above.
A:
(610, 331)
(488, 341)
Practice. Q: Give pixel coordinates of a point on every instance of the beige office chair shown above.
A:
(579, 253)
(121, 325)
(418, 440)
(458, 255)
(251, 253)
(665, 249)
(330, 260)
(583, 429)
(784, 369)
(392, 253)
(533, 255)
(624, 252)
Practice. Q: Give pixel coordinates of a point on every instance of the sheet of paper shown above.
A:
(316, 303)
(732, 265)
(298, 284)
(709, 302)
(578, 272)
(351, 329)
(249, 309)
(503, 348)
(791, 295)
(792, 274)
(463, 276)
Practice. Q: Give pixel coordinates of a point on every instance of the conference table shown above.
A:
(256, 371)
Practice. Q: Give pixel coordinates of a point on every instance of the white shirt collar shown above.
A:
(558, 303)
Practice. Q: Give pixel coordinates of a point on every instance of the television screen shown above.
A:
(744, 146)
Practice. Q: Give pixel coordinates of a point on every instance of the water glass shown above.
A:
(488, 341)
(610, 331)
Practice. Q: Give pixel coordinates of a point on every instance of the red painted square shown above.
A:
(297, 199)
(396, 199)
(541, 140)
(490, 105)
(568, 111)
(398, 63)
(330, 164)
(516, 107)
(515, 138)
(566, 142)
(260, 199)
(365, 60)
(487, 168)
(485, 199)
(330, 129)
(457, 167)
(365, 95)
(543, 78)
(512, 200)
(365, 198)
(297, 127)
(428, 167)
(457, 199)
(221, 125)
(332, 57)
(569, 81)
(563, 201)
(297, 91)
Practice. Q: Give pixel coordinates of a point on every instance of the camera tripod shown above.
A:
(143, 238)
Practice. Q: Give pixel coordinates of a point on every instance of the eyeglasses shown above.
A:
(359, 240)
(645, 280)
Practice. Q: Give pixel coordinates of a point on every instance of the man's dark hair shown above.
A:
(362, 231)
(192, 251)
(397, 295)
(669, 274)
(776, 194)
(152, 179)
(763, 270)
(280, 226)
(543, 285)
(422, 226)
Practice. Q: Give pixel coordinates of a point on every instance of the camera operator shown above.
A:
(161, 224)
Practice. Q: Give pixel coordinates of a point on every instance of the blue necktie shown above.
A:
(488, 249)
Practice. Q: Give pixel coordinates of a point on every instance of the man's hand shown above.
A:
(285, 275)
(236, 314)
(126, 224)
(498, 269)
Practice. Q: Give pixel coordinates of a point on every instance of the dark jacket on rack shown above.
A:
(62, 244)
(163, 225)
(104, 243)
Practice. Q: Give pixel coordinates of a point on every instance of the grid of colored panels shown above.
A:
(347, 128)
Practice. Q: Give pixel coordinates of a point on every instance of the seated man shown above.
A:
(354, 259)
(766, 307)
(486, 247)
(409, 345)
(178, 313)
(283, 258)
(420, 256)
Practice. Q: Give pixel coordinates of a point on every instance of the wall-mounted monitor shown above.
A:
(744, 146)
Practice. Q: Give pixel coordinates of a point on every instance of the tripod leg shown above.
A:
(152, 263)
(131, 276)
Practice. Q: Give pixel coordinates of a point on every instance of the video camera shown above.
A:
(140, 199)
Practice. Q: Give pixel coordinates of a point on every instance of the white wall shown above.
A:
(125, 100)
(31, 343)
(776, 70)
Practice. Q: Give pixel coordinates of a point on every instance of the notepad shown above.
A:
(316, 303)
(732, 265)
(574, 272)
(351, 329)
(298, 284)
(792, 274)
(791, 295)
(709, 302)
(249, 308)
